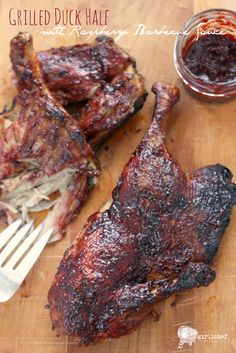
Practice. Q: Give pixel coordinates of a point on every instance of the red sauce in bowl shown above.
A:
(212, 58)
(205, 55)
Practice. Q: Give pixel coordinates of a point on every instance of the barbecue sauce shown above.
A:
(212, 58)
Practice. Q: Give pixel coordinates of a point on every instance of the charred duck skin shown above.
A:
(101, 74)
(74, 73)
(41, 149)
(158, 237)
(111, 106)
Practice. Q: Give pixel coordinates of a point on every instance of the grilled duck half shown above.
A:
(42, 151)
(158, 237)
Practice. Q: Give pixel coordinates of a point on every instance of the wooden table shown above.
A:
(198, 134)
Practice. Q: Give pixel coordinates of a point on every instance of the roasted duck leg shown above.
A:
(42, 151)
(158, 237)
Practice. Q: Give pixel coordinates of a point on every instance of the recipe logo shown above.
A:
(58, 17)
(189, 335)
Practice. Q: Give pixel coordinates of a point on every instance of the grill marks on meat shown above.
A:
(111, 106)
(73, 73)
(40, 145)
(159, 225)
(101, 73)
(42, 128)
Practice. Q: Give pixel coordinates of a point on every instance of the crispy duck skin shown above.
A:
(158, 237)
(42, 128)
(111, 106)
(101, 73)
(74, 73)
(39, 142)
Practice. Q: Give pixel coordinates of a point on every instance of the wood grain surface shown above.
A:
(198, 134)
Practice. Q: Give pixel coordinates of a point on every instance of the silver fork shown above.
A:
(19, 250)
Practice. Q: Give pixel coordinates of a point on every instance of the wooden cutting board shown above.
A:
(198, 134)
